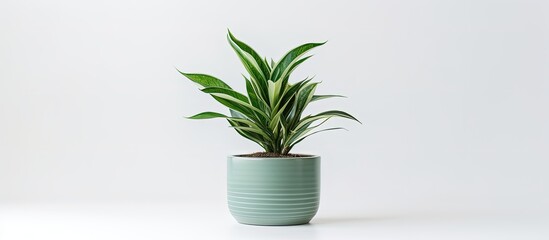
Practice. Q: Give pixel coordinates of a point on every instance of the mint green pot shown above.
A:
(273, 191)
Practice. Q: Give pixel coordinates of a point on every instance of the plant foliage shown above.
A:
(270, 112)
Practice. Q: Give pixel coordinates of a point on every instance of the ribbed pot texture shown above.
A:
(273, 191)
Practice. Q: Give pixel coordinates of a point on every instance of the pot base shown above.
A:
(272, 222)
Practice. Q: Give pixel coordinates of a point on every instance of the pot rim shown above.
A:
(273, 158)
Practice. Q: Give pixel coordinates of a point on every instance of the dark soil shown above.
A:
(273, 155)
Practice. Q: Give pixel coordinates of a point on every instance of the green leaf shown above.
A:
(205, 80)
(290, 57)
(236, 101)
(229, 92)
(244, 47)
(304, 96)
(240, 118)
(249, 62)
(207, 115)
(320, 97)
(338, 113)
(323, 115)
(235, 114)
(274, 92)
(268, 66)
(250, 136)
(293, 89)
(254, 130)
(255, 100)
(233, 100)
(323, 130)
(275, 118)
(302, 130)
(285, 76)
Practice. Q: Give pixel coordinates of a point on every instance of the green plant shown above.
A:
(271, 112)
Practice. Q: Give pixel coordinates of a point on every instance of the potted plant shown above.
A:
(274, 187)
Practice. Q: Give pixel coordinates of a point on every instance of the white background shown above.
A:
(453, 95)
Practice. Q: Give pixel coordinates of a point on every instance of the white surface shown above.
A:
(199, 221)
(453, 96)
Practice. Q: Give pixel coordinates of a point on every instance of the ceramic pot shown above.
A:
(273, 191)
